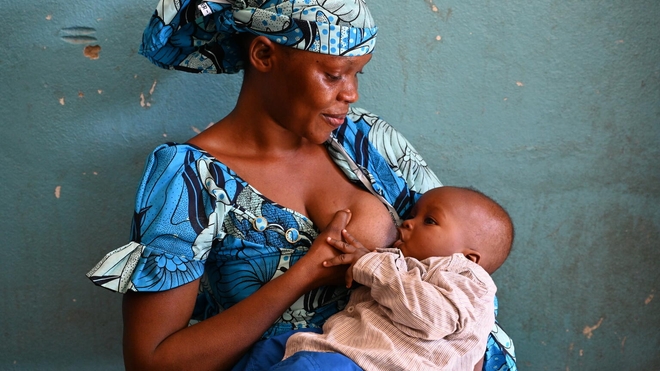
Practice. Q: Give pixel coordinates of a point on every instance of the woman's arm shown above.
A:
(156, 331)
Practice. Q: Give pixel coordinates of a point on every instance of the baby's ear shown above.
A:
(473, 255)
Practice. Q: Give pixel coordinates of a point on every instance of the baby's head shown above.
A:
(449, 220)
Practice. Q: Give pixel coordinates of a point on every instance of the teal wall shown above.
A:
(552, 107)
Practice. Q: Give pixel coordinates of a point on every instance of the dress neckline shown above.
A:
(240, 179)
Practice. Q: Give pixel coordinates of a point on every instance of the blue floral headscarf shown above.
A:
(202, 37)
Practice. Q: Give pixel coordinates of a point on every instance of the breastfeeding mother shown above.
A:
(225, 243)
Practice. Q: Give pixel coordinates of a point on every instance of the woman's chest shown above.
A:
(313, 186)
(371, 222)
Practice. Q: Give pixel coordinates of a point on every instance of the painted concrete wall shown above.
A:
(552, 107)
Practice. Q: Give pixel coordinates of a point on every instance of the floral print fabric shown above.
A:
(196, 218)
(201, 36)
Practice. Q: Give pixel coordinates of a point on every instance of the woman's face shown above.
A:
(314, 91)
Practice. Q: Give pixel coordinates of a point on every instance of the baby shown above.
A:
(427, 303)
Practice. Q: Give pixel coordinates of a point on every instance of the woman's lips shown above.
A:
(335, 120)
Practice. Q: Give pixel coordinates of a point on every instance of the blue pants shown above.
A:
(266, 355)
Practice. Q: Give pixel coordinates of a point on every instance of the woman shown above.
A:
(220, 221)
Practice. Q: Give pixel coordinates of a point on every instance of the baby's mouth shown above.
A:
(397, 243)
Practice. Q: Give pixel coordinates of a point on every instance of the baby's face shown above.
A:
(435, 227)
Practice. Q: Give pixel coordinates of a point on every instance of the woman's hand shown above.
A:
(156, 331)
(352, 251)
(321, 251)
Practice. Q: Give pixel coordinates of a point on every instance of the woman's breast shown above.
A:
(371, 222)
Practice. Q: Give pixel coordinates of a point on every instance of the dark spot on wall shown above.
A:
(92, 51)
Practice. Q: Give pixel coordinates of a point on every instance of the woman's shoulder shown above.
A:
(378, 131)
(364, 120)
(172, 156)
(389, 143)
(172, 165)
(176, 150)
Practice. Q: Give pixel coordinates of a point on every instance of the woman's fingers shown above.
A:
(339, 222)
(340, 245)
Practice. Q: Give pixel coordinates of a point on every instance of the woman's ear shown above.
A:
(261, 52)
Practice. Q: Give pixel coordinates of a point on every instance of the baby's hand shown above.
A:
(352, 251)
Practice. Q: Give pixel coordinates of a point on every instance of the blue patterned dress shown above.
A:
(196, 218)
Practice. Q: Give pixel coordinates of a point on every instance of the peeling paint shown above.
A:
(81, 95)
(588, 330)
(153, 87)
(196, 130)
(57, 191)
(62, 101)
(100, 91)
(143, 102)
(92, 51)
(49, 17)
(623, 343)
(438, 37)
(435, 9)
(648, 299)
(519, 83)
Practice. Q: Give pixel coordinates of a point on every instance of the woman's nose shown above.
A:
(349, 93)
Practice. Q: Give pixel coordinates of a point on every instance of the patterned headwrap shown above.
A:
(202, 37)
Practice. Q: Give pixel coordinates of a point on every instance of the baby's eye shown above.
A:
(429, 221)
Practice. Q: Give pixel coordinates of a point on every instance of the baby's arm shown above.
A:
(424, 301)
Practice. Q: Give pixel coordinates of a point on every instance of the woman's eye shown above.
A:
(333, 77)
